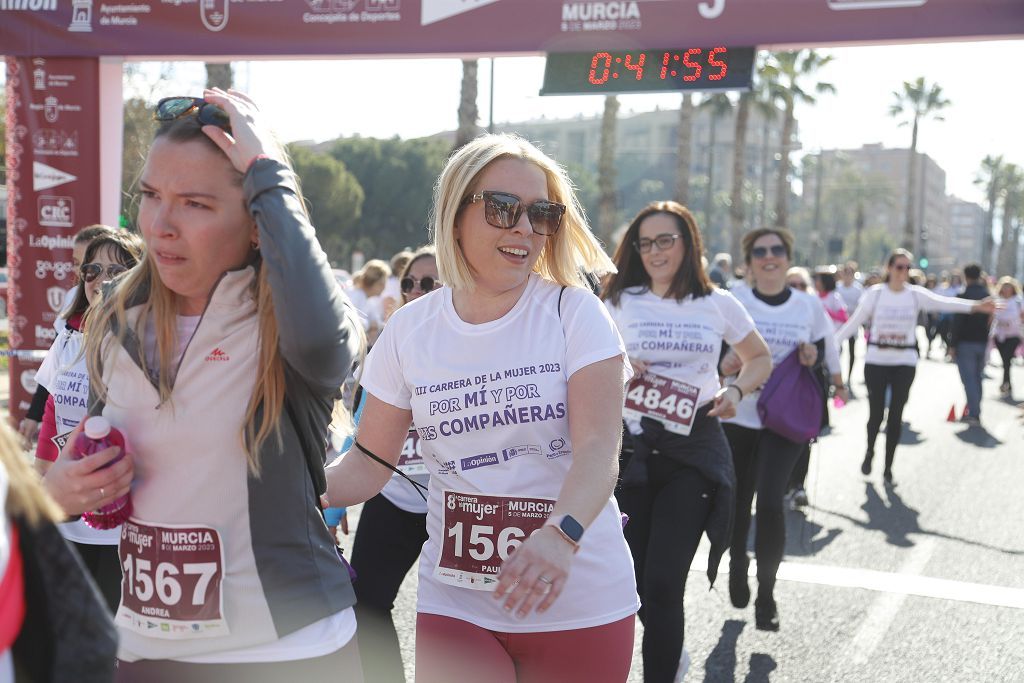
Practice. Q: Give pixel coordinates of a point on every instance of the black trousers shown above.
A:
(851, 344)
(897, 379)
(763, 461)
(1007, 347)
(388, 542)
(104, 565)
(666, 520)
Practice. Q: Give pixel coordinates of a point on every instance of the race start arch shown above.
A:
(64, 100)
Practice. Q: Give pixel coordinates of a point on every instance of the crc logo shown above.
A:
(56, 212)
(55, 298)
(60, 269)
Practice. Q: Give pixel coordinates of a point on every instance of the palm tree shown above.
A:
(606, 212)
(990, 176)
(918, 100)
(738, 167)
(718, 106)
(468, 114)
(684, 141)
(789, 69)
(218, 75)
(768, 93)
(1013, 204)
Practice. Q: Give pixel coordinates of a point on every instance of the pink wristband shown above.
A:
(254, 160)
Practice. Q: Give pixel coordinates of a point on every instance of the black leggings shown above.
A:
(666, 520)
(764, 461)
(852, 344)
(387, 544)
(878, 378)
(1007, 347)
(104, 566)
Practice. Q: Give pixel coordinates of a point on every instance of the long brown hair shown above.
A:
(689, 279)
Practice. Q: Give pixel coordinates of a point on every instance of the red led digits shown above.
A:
(692, 52)
(607, 68)
(664, 65)
(722, 66)
(638, 67)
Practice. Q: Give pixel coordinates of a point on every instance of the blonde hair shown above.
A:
(1008, 280)
(803, 274)
(372, 273)
(567, 255)
(26, 498)
(142, 286)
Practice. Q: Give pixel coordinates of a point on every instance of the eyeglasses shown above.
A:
(171, 108)
(91, 271)
(778, 251)
(663, 241)
(798, 285)
(901, 266)
(426, 284)
(503, 209)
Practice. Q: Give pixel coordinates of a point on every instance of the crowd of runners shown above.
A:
(547, 431)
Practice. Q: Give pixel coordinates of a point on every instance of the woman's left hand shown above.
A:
(535, 574)
(249, 138)
(808, 354)
(725, 401)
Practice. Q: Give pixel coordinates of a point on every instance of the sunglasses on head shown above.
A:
(503, 209)
(91, 271)
(663, 241)
(426, 284)
(777, 250)
(171, 108)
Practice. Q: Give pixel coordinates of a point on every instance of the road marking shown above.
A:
(905, 582)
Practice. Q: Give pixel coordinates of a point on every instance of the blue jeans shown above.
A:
(970, 359)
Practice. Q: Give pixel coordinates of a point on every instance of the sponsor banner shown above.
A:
(367, 27)
(53, 178)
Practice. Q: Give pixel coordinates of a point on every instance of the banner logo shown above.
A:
(214, 18)
(81, 16)
(30, 5)
(55, 298)
(44, 177)
(438, 10)
(56, 212)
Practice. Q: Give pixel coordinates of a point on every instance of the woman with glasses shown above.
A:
(513, 373)
(790, 321)
(676, 474)
(890, 363)
(393, 524)
(65, 377)
(220, 358)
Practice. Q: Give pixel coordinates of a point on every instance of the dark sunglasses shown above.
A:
(503, 209)
(171, 108)
(91, 271)
(901, 266)
(798, 285)
(426, 283)
(778, 251)
(663, 241)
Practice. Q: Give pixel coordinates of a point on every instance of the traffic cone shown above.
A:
(952, 414)
(964, 413)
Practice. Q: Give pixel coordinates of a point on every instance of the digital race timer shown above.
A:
(609, 72)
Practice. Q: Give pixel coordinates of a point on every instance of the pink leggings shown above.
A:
(454, 651)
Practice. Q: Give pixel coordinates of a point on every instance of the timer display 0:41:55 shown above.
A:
(692, 64)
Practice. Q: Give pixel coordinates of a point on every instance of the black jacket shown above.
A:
(972, 327)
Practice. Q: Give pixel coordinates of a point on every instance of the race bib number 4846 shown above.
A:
(171, 583)
(669, 401)
(481, 531)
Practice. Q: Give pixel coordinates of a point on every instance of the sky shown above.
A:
(324, 99)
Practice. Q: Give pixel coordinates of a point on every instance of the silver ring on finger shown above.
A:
(103, 494)
(545, 580)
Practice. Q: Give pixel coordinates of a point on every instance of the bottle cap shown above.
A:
(97, 427)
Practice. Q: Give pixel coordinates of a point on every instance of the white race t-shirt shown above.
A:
(681, 340)
(64, 374)
(894, 321)
(490, 404)
(800, 320)
(1007, 320)
(851, 295)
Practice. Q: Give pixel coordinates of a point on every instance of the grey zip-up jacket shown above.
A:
(280, 568)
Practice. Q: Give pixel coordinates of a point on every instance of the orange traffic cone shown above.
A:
(952, 414)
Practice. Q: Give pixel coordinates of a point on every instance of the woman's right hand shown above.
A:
(29, 429)
(249, 137)
(83, 485)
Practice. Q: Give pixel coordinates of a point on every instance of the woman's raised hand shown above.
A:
(249, 138)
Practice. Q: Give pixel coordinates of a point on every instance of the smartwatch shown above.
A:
(568, 527)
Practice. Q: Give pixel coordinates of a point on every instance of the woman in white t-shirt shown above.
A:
(891, 359)
(64, 375)
(790, 321)
(1008, 326)
(514, 375)
(677, 478)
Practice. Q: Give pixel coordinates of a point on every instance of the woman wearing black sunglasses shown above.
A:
(65, 375)
(892, 307)
(514, 374)
(393, 524)
(676, 478)
(220, 358)
(790, 321)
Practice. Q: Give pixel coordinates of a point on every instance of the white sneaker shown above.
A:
(684, 667)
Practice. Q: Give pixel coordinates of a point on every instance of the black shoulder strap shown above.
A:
(560, 293)
(420, 488)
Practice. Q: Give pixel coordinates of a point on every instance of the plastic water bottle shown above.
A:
(99, 435)
(838, 401)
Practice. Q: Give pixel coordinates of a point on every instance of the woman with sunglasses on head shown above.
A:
(790, 321)
(220, 358)
(890, 363)
(393, 524)
(65, 377)
(676, 474)
(514, 375)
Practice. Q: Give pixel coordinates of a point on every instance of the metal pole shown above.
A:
(490, 106)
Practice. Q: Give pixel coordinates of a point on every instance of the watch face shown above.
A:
(572, 528)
